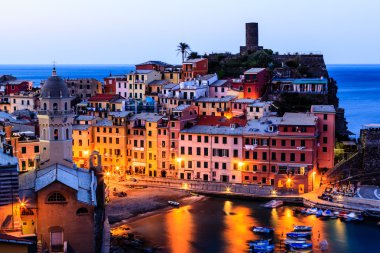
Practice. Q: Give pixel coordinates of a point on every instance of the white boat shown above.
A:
(173, 203)
(274, 204)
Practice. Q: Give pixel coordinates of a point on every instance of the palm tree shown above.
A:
(184, 49)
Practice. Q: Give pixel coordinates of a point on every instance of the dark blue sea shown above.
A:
(359, 85)
(359, 93)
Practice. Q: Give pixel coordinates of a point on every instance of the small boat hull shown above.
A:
(263, 230)
(173, 203)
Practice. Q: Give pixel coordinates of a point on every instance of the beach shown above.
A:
(138, 204)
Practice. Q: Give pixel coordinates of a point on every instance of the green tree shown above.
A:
(260, 58)
(193, 55)
(184, 49)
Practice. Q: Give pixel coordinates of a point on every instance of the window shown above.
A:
(56, 197)
(235, 141)
(224, 140)
(182, 137)
(182, 150)
(292, 143)
(216, 139)
(255, 155)
(199, 138)
(324, 139)
(274, 142)
(206, 139)
(190, 137)
(205, 151)
(55, 134)
(224, 166)
(205, 165)
(264, 156)
(283, 157)
(82, 211)
(273, 156)
(236, 153)
(324, 149)
(23, 150)
(36, 149)
(198, 151)
(292, 157)
(189, 150)
(325, 127)
(283, 143)
(325, 116)
(303, 144)
(302, 158)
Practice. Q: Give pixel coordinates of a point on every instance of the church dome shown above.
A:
(55, 87)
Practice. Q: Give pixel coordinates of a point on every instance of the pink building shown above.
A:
(168, 138)
(326, 126)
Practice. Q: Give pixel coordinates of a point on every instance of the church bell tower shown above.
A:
(55, 120)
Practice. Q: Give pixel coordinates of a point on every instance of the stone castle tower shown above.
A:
(55, 119)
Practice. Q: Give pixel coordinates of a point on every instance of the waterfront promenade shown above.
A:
(257, 192)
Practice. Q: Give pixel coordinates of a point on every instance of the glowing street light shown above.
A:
(228, 189)
(179, 159)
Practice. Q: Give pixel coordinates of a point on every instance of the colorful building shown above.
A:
(193, 68)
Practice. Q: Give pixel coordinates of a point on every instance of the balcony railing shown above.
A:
(55, 112)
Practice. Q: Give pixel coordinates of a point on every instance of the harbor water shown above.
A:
(224, 226)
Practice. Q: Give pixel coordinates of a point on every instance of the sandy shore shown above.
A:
(139, 203)
(142, 201)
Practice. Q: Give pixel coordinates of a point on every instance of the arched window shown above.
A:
(67, 134)
(55, 106)
(56, 197)
(82, 211)
(44, 134)
(45, 107)
(65, 106)
(55, 134)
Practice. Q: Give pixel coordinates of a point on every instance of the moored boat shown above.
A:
(342, 214)
(298, 234)
(173, 203)
(265, 230)
(258, 243)
(274, 204)
(263, 248)
(302, 228)
(300, 245)
(327, 213)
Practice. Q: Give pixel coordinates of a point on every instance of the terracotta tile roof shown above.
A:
(105, 97)
(219, 120)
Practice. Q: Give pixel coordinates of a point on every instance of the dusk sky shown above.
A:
(128, 32)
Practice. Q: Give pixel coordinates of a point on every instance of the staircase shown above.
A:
(341, 165)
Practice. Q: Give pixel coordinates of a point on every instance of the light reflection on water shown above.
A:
(218, 225)
(180, 227)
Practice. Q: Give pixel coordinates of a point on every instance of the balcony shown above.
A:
(55, 112)
(250, 147)
(223, 109)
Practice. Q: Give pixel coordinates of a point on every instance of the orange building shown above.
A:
(193, 68)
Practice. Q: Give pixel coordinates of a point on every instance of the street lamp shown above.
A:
(312, 180)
